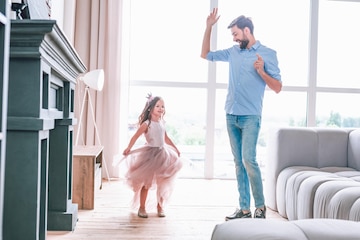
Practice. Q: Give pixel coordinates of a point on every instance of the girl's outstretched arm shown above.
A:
(138, 133)
(169, 142)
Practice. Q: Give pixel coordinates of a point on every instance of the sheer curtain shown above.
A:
(94, 26)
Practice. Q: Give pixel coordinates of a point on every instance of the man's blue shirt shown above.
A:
(246, 87)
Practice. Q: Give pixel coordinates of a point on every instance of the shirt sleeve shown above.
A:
(219, 55)
(272, 65)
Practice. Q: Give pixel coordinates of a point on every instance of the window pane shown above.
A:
(337, 110)
(277, 112)
(339, 49)
(274, 27)
(165, 53)
(284, 109)
(185, 122)
(165, 41)
(224, 166)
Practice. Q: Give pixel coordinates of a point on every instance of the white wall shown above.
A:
(63, 11)
(57, 12)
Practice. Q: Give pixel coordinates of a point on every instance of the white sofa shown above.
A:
(313, 180)
(271, 229)
(314, 173)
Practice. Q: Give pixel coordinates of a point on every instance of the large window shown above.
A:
(165, 41)
(277, 25)
(280, 30)
(316, 44)
(338, 85)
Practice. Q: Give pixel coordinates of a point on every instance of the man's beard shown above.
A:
(244, 43)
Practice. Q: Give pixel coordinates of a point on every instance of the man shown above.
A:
(252, 66)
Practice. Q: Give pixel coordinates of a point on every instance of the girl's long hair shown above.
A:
(149, 106)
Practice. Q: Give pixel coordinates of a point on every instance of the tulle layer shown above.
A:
(154, 168)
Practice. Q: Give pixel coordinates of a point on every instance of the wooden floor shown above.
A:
(196, 206)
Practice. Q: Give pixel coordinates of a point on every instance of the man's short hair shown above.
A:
(242, 22)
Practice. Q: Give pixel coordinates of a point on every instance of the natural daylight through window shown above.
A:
(320, 84)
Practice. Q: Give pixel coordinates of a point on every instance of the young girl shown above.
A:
(156, 163)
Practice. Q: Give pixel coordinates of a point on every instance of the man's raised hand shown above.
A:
(212, 18)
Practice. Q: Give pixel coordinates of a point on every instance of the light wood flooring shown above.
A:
(196, 206)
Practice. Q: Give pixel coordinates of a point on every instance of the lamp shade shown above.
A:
(94, 79)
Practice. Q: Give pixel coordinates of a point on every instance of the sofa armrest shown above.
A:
(288, 147)
(310, 147)
(354, 149)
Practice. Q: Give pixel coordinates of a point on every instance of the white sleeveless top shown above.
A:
(155, 136)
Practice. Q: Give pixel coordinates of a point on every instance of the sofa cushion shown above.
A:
(257, 229)
(292, 191)
(341, 203)
(329, 229)
(281, 186)
(332, 147)
(307, 191)
(297, 187)
(273, 229)
(355, 211)
(325, 193)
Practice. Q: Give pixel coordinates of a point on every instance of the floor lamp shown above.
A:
(94, 80)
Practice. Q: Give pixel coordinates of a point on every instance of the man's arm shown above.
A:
(210, 21)
(272, 83)
(206, 42)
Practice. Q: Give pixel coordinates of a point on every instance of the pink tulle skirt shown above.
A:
(155, 169)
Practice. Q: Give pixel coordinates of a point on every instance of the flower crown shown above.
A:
(149, 98)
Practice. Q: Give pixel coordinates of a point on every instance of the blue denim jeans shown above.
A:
(243, 133)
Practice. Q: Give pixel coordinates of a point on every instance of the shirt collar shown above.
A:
(256, 45)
